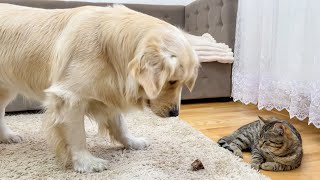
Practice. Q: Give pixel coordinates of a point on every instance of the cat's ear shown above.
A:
(263, 121)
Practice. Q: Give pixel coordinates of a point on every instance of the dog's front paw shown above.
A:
(137, 143)
(88, 163)
(9, 138)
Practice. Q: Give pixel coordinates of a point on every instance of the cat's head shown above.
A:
(277, 137)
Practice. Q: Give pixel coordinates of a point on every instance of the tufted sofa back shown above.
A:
(217, 17)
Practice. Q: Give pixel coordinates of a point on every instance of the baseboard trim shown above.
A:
(206, 100)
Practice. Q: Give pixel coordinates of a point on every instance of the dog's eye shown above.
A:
(172, 82)
(173, 56)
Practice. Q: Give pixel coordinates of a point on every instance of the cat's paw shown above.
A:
(255, 166)
(268, 166)
(238, 153)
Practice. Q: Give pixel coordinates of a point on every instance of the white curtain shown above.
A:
(277, 56)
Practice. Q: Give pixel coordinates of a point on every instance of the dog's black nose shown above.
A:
(174, 112)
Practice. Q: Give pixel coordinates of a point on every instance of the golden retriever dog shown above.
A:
(98, 62)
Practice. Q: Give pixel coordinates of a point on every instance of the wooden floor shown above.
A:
(218, 119)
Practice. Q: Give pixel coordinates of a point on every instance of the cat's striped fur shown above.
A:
(275, 144)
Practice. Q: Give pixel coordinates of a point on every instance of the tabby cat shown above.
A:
(275, 144)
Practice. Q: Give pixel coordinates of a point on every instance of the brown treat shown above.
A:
(197, 165)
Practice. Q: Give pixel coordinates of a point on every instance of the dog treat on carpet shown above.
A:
(197, 165)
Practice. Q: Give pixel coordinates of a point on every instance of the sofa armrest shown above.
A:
(217, 17)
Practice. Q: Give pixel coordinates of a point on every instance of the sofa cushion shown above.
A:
(214, 81)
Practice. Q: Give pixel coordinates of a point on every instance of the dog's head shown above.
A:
(164, 62)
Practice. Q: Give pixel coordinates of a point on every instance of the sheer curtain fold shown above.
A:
(277, 56)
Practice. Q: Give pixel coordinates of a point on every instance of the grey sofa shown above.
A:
(217, 17)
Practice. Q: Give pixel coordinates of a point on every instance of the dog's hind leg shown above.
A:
(6, 134)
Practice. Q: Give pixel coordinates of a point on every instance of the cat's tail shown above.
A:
(224, 142)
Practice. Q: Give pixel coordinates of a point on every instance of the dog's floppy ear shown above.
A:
(150, 69)
(190, 83)
(194, 72)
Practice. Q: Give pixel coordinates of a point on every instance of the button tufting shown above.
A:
(207, 26)
(208, 8)
(188, 15)
(220, 22)
(196, 29)
(196, 12)
(166, 16)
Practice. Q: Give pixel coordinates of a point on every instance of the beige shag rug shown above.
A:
(174, 146)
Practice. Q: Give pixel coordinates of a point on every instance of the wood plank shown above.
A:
(222, 118)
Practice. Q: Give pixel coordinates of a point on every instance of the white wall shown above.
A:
(163, 2)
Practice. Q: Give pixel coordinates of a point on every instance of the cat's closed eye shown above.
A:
(274, 142)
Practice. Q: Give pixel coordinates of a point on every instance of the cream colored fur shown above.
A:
(98, 62)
